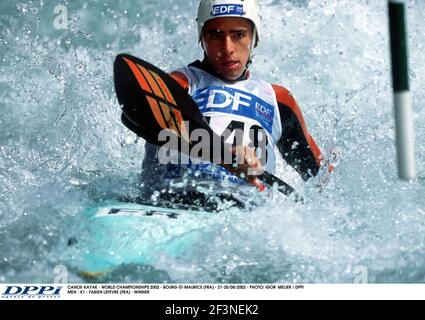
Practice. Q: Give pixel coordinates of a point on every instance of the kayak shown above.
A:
(120, 233)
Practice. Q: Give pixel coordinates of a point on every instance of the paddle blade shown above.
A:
(153, 101)
(132, 98)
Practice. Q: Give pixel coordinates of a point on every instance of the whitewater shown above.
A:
(63, 147)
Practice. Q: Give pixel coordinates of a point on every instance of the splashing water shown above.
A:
(63, 148)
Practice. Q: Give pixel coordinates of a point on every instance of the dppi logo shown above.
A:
(32, 291)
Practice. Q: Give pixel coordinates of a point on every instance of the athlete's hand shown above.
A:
(247, 163)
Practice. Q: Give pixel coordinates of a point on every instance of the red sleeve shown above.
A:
(181, 79)
(296, 144)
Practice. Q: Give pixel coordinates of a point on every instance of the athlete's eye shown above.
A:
(214, 36)
(239, 35)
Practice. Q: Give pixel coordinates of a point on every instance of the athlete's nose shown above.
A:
(228, 45)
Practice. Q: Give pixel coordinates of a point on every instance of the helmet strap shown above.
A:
(251, 49)
(254, 38)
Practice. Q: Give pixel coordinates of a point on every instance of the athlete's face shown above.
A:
(227, 43)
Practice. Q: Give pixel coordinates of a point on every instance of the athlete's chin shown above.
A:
(231, 75)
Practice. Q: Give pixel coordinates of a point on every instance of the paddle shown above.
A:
(153, 101)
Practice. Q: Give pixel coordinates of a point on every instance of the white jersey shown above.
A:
(247, 105)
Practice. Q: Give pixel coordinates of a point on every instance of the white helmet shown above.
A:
(248, 9)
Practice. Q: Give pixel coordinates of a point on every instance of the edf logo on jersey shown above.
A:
(234, 101)
(228, 9)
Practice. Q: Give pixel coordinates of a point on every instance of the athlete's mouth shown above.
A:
(230, 64)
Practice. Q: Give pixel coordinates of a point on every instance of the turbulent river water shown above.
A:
(63, 147)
